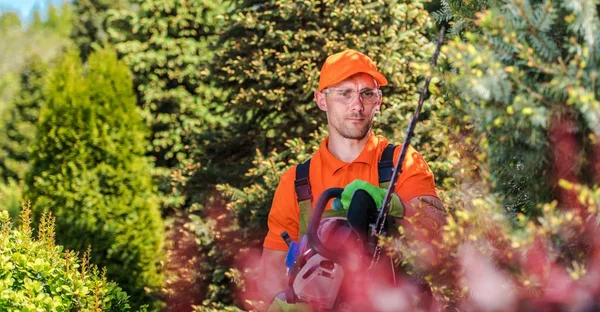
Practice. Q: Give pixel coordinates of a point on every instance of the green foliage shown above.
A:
(460, 14)
(19, 44)
(166, 45)
(9, 20)
(37, 275)
(19, 121)
(89, 25)
(217, 272)
(88, 168)
(37, 20)
(525, 258)
(250, 205)
(59, 20)
(524, 67)
(11, 197)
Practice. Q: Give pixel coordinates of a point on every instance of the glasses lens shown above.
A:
(344, 96)
(369, 96)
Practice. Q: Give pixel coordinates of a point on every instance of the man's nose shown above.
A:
(356, 104)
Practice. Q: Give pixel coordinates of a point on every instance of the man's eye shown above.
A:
(346, 93)
(368, 93)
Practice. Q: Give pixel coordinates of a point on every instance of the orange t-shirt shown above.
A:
(327, 171)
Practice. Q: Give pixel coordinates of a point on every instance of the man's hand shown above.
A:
(378, 195)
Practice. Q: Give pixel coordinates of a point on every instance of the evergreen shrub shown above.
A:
(38, 275)
(88, 167)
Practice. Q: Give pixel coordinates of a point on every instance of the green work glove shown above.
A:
(378, 194)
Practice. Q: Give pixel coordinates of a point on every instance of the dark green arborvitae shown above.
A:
(20, 120)
(88, 167)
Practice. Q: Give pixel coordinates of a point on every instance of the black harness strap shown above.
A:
(302, 182)
(386, 164)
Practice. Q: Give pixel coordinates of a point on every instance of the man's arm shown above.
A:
(283, 216)
(423, 221)
(428, 211)
(427, 214)
(273, 277)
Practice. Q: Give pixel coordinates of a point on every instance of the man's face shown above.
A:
(352, 118)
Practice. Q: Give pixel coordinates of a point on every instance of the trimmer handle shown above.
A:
(315, 220)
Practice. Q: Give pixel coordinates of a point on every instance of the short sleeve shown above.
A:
(284, 214)
(416, 178)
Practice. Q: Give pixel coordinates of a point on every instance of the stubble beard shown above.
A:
(354, 133)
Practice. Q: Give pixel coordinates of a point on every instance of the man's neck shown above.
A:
(346, 150)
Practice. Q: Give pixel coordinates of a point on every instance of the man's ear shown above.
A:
(320, 99)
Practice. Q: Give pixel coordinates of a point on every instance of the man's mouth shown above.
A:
(355, 118)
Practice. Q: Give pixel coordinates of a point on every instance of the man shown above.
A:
(349, 94)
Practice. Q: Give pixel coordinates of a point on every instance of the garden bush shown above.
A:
(38, 275)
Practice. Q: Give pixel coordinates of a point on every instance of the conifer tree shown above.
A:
(167, 46)
(37, 22)
(460, 14)
(19, 42)
(53, 19)
(10, 28)
(20, 119)
(9, 20)
(526, 76)
(523, 79)
(89, 27)
(60, 19)
(88, 168)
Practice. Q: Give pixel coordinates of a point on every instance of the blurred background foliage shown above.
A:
(124, 116)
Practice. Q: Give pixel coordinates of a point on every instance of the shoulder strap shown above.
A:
(304, 195)
(386, 165)
(302, 182)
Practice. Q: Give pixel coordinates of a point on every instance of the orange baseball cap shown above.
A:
(342, 65)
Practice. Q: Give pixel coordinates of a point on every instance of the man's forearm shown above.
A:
(273, 278)
(426, 213)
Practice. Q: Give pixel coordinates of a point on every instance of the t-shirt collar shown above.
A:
(365, 156)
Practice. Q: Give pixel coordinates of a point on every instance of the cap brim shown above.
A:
(381, 80)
